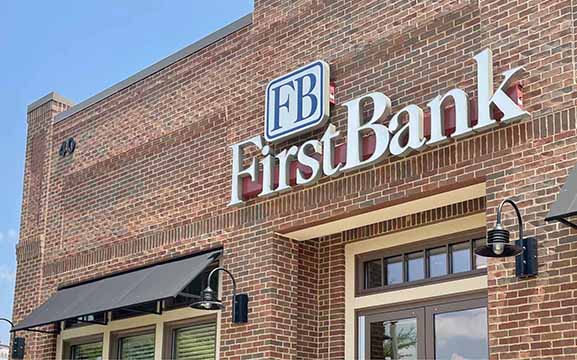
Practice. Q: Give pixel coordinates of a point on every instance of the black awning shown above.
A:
(141, 286)
(566, 204)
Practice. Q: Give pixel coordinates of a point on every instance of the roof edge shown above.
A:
(156, 67)
(51, 96)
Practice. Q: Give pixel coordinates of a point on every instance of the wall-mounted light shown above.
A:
(498, 244)
(18, 344)
(209, 300)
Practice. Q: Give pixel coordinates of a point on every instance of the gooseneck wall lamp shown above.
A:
(498, 245)
(18, 344)
(209, 300)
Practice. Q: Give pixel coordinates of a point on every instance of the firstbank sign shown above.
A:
(299, 101)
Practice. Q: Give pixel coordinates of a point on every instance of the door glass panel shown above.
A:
(139, 347)
(391, 340)
(461, 335)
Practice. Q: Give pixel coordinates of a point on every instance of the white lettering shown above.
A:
(438, 123)
(285, 158)
(328, 151)
(500, 99)
(267, 172)
(413, 129)
(309, 161)
(381, 108)
(403, 134)
(238, 173)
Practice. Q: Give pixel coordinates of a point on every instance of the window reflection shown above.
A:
(139, 347)
(480, 261)
(438, 262)
(461, 257)
(373, 274)
(88, 351)
(394, 270)
(461, 335)
(392, 340)
(416, 266)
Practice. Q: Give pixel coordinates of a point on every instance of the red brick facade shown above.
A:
(150, 178)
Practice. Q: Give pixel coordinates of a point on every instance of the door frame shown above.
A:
(418, 314)
(425, 329)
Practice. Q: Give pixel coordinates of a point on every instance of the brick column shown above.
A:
(33, 217)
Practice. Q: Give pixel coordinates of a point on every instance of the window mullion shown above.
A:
(449, 250)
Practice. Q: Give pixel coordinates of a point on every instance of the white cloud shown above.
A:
(7, 274)
(9, 236)
(12, 234)
(468, 323)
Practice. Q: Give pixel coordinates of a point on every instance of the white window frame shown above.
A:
(355, 304)
(159, 323)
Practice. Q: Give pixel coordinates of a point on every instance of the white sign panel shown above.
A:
(297, 102)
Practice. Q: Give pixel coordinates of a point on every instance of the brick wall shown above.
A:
(29, 252)
(149, 179)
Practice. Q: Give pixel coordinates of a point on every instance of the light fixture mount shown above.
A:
(498, 244)
(210, 301)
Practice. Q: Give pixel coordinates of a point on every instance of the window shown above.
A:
(133, 344)
(191, 340)
(136, 347)
(416, 266)
(89, 351)
(394, 270)
(85, 348)
(455, 330)
(436, 260)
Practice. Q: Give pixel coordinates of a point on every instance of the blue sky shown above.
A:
(78, 48)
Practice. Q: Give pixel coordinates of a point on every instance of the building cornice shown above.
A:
(53, 96)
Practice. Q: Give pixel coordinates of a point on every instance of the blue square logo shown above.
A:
(297, 102)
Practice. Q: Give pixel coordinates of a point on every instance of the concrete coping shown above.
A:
(179, 55)
(52, 96)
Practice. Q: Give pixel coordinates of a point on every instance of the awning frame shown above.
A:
(565, 206)
(177, 289)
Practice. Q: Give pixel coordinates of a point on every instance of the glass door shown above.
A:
(458, 330)
(442, 331)
(395, 335)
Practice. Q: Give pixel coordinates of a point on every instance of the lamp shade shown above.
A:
(208, 301)
(498, 244)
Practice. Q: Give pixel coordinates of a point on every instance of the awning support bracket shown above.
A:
(188, 295)
(566, 222)
(95, 322)
(141, 311)
(55, 332)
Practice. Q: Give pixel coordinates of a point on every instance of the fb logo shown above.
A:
(297, 102)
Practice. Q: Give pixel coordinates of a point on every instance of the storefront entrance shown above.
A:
(443, 330)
